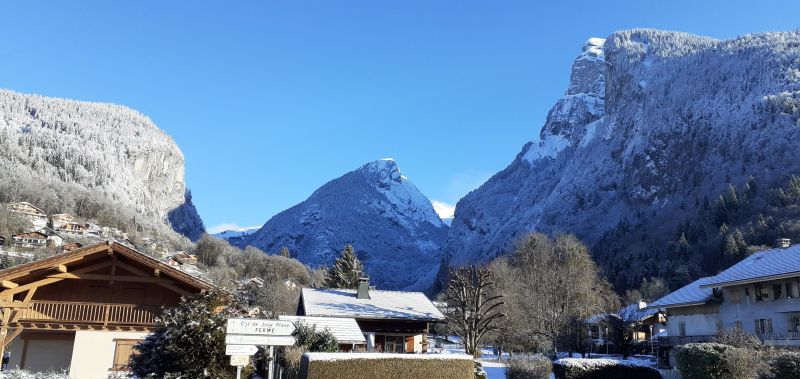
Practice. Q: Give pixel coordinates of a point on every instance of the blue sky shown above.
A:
(269, 100)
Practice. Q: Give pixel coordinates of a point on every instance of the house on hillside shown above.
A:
(71, 227)
(27, 209)
(29, 240)
(392, 321)
(758, 295)
(59, 219)
(67, 247)
(346, 330)
(83, 311)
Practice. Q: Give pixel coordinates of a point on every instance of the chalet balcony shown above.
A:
(74, 313)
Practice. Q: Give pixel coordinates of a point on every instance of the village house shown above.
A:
(346, 330)
(29, 240)
(59, 219)
(27, 209)
(67, 247)
(758, 295)
(71, 227)
(83, 311)
(646, 322)
(391, 321)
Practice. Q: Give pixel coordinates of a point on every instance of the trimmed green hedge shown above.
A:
(716, 361)
(388, 366)
(578, 368)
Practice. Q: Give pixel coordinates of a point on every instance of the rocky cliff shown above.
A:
(108, 149)
(391, 224)
(653, 126)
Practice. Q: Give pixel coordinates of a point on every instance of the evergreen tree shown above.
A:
(346, 271)
(188, 342)
(285, 252)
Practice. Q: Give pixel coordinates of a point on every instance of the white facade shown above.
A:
(93, 352)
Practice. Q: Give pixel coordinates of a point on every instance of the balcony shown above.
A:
(65, 312)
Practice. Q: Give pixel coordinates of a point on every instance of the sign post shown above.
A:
(242, 334)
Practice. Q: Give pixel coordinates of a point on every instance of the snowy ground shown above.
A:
(497, 370)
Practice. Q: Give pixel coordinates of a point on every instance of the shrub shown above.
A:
(784, 365)
(534, 367)
(738, 338)
(386, 366)
(716, 361)
(24, 374)
(579, 368)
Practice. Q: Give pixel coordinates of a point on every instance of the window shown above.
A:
(719, 325)
(122, 354)
(761, 293)
(747, 292)
(790, 291)
(394, 344)
(682, 329)
(777, 291)
(763, 325)
(796, 324)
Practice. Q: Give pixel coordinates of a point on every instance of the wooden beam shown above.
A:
(49, 280)
(104, 277)
(9, 284)
(60, 268)
(10, 337)
(13, 304)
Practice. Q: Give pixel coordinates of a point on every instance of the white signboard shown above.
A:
(240, 360)
(240, 349)
(251, 339)
(260, 327)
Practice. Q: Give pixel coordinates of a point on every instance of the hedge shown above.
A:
(784, 365)
(716, 361)
(389, 366)
(535, 367)
(578, 368)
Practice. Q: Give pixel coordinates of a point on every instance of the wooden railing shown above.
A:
(778, 336)
(89, 313)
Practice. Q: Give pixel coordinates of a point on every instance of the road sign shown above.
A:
(250, 339)
(240, 350)
(240, 360)
(259, 327)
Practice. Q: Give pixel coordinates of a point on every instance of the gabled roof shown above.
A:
(761, 266)
(688, 295)
(381, 305)
(345, 329)
(630, 312)
(86, 254)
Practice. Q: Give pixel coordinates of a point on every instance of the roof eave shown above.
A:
(750, 280)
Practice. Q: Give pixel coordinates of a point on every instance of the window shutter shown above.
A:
(758, 326)
(769, 325)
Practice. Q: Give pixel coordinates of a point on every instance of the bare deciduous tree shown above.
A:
(472, 309)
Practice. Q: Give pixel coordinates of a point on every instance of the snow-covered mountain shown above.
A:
(237, 232)
(391, 224)
(652, 126)
(110, 150)
(445, 211)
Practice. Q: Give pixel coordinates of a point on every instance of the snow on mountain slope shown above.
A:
(109, 149)
(238, 232)
(444, 210)
(391, 224)
(652, 123)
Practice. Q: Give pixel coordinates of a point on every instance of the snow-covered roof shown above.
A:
(381, 305)
(690, 294)
(633, 312)
(345, 329)
(765, 265)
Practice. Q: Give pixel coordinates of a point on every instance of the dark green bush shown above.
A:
(716, 361)
(577, 368)
(784, 365)
(535, 367)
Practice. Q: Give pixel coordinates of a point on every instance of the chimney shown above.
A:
(363, 288)
(782, 243)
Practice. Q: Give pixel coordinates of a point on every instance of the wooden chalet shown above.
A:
(72, 227)
(67, 247)
(392, 321)
(26, 209)
(84, 310)
(29, 239)
(59, 219)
